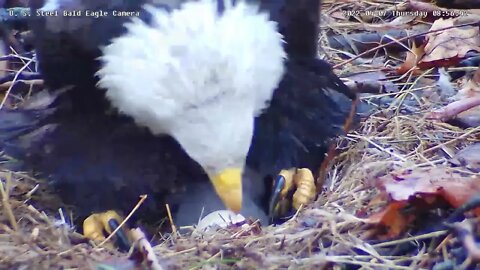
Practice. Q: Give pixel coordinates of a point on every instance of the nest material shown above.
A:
(325, 232)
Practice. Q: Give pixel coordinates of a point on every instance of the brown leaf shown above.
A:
(455, 188)
(421, 188)
(392, 219)
(413, 56)
(448, 47)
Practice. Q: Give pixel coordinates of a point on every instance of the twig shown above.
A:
(170, 219)
(180, 252)
(408, 239)
(466, 134)
(378, 146)
(142, 199)
(471, 204)
(146, 249)
(6, 204)
(14, 79)
(22, 76)
(27, 82)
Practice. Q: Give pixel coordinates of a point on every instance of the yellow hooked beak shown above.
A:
(228, 185)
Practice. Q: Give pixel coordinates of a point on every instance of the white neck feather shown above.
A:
(197, 75)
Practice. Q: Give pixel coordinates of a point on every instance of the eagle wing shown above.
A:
(309, 107)
(94, 158)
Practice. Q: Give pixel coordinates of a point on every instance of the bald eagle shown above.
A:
(158, 96)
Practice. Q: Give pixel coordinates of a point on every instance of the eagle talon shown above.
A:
(96, 224)
(297, 185)
(306, 189)
(282, 185)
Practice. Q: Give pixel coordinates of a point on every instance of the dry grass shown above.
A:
(326, 234)
(327, 231)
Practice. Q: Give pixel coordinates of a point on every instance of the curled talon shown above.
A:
(306, 189)
(96, 224)
(291, 188)
(279, 202)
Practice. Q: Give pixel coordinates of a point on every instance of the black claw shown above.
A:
(278, 185)
(122, 240)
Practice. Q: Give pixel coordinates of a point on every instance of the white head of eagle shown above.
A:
(201, 76)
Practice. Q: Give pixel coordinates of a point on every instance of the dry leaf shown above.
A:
(424, 187)
(452, 186)
(448, 47)
(392, 219)
(413, 56)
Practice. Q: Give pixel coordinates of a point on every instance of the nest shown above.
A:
(333, 232)
(326, 232)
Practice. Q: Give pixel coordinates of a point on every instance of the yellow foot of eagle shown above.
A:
(291, 189)
(98, 226)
